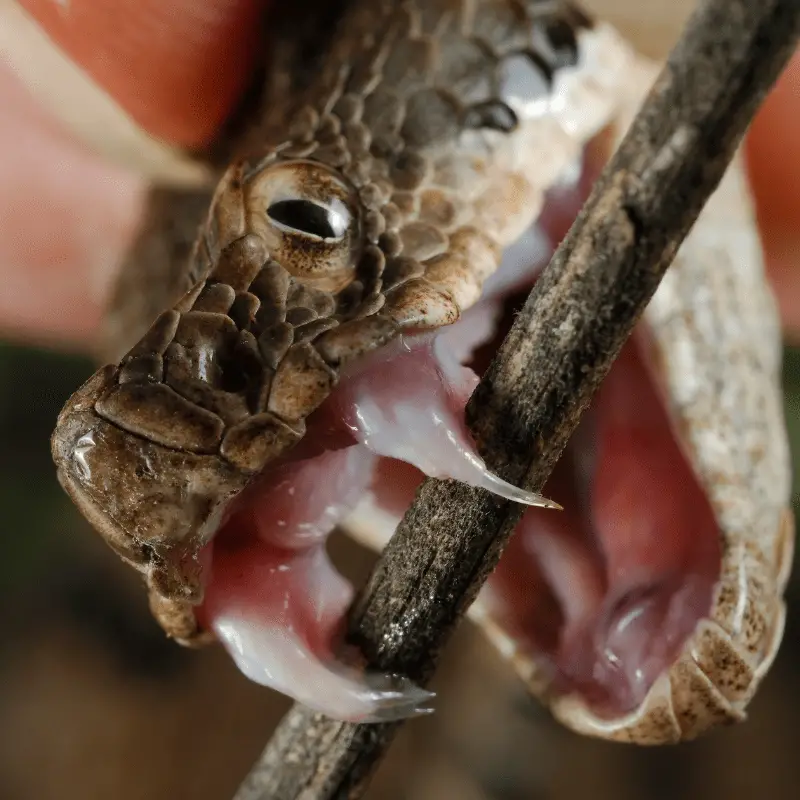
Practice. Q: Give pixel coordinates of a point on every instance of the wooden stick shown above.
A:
(561, 346)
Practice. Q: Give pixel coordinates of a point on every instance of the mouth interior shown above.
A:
(606, 593)
(602, 595)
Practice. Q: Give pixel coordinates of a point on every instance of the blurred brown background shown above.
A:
(95, 703)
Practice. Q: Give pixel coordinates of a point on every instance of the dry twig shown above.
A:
(562, 345)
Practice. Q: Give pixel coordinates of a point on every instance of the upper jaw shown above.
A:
(154, 505)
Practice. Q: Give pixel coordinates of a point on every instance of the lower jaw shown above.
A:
(593, 604)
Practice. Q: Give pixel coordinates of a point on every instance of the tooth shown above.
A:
(279, 613)
(278, 658)
(410, 406)
(505, 489)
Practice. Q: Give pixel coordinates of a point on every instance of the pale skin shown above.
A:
(68, 215)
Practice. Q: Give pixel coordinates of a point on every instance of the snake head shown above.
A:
(154, 504)
(153, 450)
(220, 389)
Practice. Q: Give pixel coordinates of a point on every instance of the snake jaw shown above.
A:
(278, 609)
(612, 612)
(273, 598)
(255, 571)
(406, 403)
(160, 508)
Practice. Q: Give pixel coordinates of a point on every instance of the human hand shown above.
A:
(67, 215)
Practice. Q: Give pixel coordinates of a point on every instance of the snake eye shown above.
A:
(305, 216)
(309, 218)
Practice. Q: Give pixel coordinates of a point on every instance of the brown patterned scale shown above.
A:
(388, 163)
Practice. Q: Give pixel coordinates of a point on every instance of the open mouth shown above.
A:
(600, 597)
(605, 594)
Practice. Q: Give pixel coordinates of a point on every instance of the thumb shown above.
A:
(127, 74)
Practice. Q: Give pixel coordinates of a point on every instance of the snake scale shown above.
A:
(390, 154)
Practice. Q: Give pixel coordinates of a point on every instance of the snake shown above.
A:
(290, 346)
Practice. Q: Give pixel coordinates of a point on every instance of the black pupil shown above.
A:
(303, 215)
